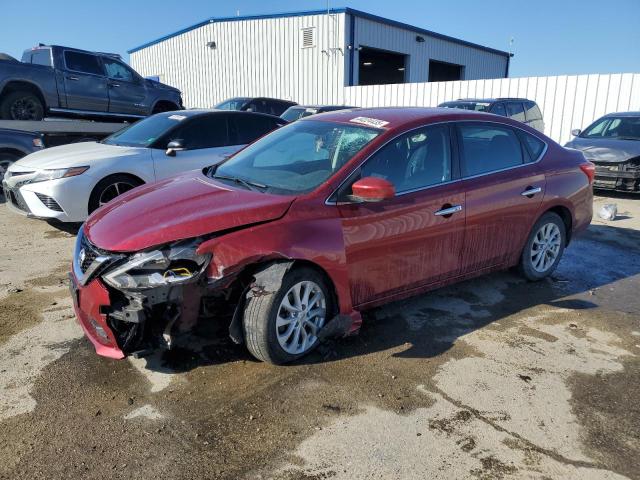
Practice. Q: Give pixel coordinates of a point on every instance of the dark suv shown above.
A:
(520, 109)
(272, 106)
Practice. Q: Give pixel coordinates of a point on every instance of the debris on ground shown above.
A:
(608, 211)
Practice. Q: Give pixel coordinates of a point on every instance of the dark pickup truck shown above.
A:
(62, 81)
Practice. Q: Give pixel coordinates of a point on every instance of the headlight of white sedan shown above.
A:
(173, 265)
(54, 174)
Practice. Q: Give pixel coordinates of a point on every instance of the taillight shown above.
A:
(589, 170)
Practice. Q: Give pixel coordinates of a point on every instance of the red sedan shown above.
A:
(293, 237)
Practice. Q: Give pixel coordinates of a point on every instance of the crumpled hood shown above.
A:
(72, 155)
(605, 150)
(177, 208)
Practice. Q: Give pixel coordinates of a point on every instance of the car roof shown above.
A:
(194, 112)
(623, 114)
(489, 100)
(397, 118)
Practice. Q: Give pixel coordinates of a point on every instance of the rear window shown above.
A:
(534, 145)
(246, 128)
(40, 56)
(532, 112)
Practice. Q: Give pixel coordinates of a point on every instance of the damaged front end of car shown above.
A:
(152, 293)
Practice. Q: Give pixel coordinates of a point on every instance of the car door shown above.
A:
(85, 83)
(416, 238)
(206, 142)
(127, 91)
(504, 190)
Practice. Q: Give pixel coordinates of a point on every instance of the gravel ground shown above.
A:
(491, 378)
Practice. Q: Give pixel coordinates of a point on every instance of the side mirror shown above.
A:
(372, 189)
(174, 146)
(576, 132)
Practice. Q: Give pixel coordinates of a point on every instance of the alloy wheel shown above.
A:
(24, 109)
(300, 316)
(114, 190)
(545, 247)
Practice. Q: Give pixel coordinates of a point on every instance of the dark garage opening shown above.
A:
(444, 72)
(378, 67)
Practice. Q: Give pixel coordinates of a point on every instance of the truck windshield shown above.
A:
(296, 158)
(145, 132)
(232, 104)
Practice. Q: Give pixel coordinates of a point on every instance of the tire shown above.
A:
(21, 105)
(261, 332)
(544, 248)
(109, 188)
(6, 159)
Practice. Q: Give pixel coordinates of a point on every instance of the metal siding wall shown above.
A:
(566, 101)
(260, 57)
(478, 63)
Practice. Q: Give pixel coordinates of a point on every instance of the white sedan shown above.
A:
(67, 183)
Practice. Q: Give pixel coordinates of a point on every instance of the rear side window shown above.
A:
(515, 110)
(247, 128)
(203, 132)
(532, 112)
(499, 109)
(83, 62)
(534, 146)
(487, 148)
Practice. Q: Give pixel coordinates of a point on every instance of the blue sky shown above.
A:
(552, 37)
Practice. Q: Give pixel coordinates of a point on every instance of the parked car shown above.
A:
(612, 143)
(15, 144)
(271, 106)
(297, 112)
(520, 109)
(67, 183)
(324, 218)
(52, 79)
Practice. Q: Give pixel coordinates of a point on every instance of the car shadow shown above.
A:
(430, 324)
(71, 228)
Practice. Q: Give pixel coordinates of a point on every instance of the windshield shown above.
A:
(298, 157)
(293, 113)
(477, 106)
(144, 132)
(232, 104)
(621, 128)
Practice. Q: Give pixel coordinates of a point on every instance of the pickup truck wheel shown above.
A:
(544, 247)
(111, 187)
(6, 159)
(21, 105)
(283, 326)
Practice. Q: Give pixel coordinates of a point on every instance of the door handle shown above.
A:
(531, 191)
(73, 77)
(448, 211)
(114, 85)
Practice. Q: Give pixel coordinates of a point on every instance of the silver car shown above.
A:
(613, 144)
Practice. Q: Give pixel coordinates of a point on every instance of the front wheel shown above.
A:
(109, 188)
(544, 247)
(284, 326)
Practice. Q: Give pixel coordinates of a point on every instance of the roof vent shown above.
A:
(308, 37)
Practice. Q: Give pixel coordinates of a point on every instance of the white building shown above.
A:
(308, 57)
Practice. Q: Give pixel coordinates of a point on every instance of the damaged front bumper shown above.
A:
(624, 177)
(133, 303)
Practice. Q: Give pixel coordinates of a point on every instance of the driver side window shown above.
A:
(415, 160)
(117, 71)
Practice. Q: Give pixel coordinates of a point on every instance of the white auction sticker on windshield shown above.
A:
(371, 122)
(177, 117)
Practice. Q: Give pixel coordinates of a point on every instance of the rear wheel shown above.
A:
(544, 247)
(284, 326)
(21, 105)
(111, 187)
